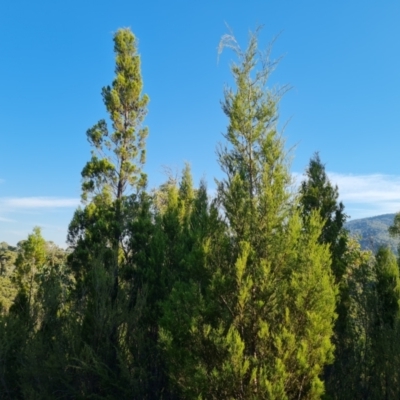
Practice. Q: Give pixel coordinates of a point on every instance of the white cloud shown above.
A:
(368, 195)
(365, 195)
(376, 187)
(2, 219)
(19, 203)
(362, 195)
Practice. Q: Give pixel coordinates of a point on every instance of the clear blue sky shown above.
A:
(342, 59)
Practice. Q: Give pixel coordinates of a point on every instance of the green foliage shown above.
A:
(347, 378)
(115, 258)
(31, 259)
(8, 256)
(115, 166)
(385, 347)
(28, 331)
(117, 156)
(8, 289)
(176, 296)
(317, 193)
(320, 196)
(45, 370)
(367, 356)
(277, 323)
(394, 230)
(387, 287)
(186, 224)
(256, 322)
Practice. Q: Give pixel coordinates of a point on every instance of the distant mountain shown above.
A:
(373, 232)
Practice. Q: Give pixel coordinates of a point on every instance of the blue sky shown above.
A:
(342, 59)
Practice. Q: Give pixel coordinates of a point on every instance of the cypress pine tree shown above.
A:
(187, 225)
(363, 341)
(31, 259)
(369, 352)
(115, 169)
(44, 372)
(275, 326)
(261, 326)
(32, 356)
(385, 331)
(18, 326)
(117, 157)
(317, 193)
(112, 188)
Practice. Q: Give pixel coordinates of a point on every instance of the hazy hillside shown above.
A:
(373, 231)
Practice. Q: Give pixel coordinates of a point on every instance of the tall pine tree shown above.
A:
(318, 193)
(113, 183)
(259, 326)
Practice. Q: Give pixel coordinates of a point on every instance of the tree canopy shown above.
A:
(257, 292)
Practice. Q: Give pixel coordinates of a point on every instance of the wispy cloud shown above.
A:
(362, 195)
(366, 195)
(18, 215)
(375, 187)
(2, 219)
(37, 202)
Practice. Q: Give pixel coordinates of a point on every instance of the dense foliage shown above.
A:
(257, 293)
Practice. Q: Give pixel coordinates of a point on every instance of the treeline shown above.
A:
(257, 293)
